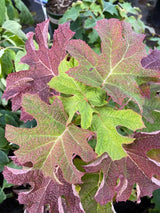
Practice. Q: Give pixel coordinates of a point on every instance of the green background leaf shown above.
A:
(2, 12)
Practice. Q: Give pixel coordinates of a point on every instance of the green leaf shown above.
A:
(155, 126)
(156, 200)
(127, 8)
(137, 24)
(9, 117)
(154, 154)
(20, 66)
(3, 140)
(110, 8)
(70, 14)
(50, 143)
(74, 104)
(13, 39)
(3, 102)
(84, 96)
(1, 52)
(93, 36)
(25, 15)
(87, 192)
(90, 22)
(15, 28)
(108, 139)
(7, 62)
(151, 107)
(3, 160)
(12, 13)
(96, 9)
(2, 195)
(2, 12)
(6, 184)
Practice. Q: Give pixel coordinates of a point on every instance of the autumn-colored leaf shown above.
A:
(152, 61)
(118, 67)
(60, 197)
(137, 151)
(119, 176)
(43, 63)
(50, 143)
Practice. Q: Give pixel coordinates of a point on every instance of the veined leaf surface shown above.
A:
(83, 97)
(50, 143)
(43, 62)
(140, 167)
(118, 66)
(108, 139)
(44, 191)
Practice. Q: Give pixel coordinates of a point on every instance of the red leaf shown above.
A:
(44, 191)
(152, 61)
(43, 64)
(118, 67)
(136, 168)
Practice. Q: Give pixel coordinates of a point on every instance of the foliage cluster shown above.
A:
(92, 118)
(84, 15)
(12, 48)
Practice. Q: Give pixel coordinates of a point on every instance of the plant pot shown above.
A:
(55, 11)
(54, 19)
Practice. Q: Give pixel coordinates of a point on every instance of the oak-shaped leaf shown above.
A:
(118, 69)
(51, 142)
(83, 98)
(44, 192)
(138, 168)
(43, 63)
(105, 124)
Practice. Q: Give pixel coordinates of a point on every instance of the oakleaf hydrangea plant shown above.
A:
(95, 137)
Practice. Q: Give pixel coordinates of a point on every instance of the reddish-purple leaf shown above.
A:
(152, 61)
(117, 68)
(44, 191)
(137, 151)
(43, 64)
(119, 176)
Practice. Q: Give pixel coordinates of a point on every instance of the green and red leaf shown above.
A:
(51, 142)
(118, 69)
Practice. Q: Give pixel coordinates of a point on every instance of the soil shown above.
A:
(58, 6)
